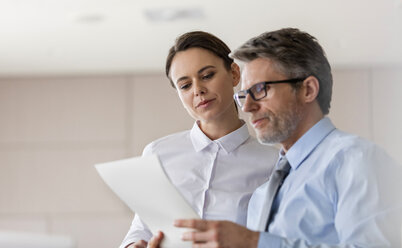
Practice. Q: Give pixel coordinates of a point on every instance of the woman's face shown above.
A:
(204, 85)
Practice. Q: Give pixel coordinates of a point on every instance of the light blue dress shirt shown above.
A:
(342, 191)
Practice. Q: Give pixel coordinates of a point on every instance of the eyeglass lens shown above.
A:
(257, 92)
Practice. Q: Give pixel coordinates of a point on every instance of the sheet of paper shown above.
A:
(142, 184)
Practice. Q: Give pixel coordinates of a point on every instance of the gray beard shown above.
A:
(283, 126)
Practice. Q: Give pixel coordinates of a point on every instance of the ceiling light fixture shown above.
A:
(169, 14)
(90, 18)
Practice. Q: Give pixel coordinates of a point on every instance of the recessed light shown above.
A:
(90, 18)
(172, 14)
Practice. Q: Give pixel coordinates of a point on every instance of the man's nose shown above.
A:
(249, 104)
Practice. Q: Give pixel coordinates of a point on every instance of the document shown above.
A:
(143, 185)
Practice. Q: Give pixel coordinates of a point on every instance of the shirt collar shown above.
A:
(228, 142)
(308, 142)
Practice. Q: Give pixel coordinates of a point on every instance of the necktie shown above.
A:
(274, 183)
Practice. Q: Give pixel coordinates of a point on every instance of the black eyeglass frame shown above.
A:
(248, 91)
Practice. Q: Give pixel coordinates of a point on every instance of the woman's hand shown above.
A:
(155, 241)
(138, 244)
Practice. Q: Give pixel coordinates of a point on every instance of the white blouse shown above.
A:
(216, 177)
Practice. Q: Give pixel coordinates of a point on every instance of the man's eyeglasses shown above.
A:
(259, 90)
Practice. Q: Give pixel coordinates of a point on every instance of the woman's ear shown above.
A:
(311, 89)
(235, 74)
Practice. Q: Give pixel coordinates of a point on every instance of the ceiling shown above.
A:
(81, 37)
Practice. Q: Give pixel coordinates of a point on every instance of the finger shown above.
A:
(139, 244)
(200, 237)
(197, 224)
(159, 236)
(206, 245)
(155, 240)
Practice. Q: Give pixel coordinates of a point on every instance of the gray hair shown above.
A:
(295, 54)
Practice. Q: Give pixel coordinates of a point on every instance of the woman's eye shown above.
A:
(208, 76)
(185, 86)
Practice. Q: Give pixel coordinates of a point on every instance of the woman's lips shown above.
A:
(205, 103)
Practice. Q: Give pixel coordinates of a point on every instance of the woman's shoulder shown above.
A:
(172, 140)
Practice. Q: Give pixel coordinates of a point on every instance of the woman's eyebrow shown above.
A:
(181, 79)
(205, 68)
(199, 72)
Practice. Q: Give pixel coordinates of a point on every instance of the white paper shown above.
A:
(142, 184)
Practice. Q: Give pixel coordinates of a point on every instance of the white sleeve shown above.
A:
(138, 231)
(149, 149)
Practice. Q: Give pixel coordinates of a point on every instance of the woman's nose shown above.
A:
(199, 89)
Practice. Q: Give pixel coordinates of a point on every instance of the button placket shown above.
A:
(208, 170)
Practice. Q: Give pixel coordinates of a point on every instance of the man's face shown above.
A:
(277, 116)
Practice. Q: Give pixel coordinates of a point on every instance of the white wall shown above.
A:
(368, 102)
(53, 130)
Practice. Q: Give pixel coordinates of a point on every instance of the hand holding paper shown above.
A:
(143, 185)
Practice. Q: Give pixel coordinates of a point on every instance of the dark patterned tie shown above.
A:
(274, 183)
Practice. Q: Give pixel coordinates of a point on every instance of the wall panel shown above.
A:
(351, 104)
(387, 110)
(156, 111)
(65, 109)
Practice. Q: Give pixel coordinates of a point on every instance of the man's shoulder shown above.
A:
(338, 139)
(342, 147)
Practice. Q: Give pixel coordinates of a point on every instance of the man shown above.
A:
(335, 189)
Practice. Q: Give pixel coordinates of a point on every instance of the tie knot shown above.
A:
(283, 165)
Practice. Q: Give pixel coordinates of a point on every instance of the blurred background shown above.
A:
(82, 82)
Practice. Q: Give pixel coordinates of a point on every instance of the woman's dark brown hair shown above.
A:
(202, 40)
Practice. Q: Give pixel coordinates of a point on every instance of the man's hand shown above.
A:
(218, 234)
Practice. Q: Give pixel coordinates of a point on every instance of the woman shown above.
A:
(216, 165)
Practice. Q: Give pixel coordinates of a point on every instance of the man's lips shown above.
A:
(204, 103)
(257, 121)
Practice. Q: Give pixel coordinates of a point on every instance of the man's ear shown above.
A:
(311, 88)
(235, 73)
